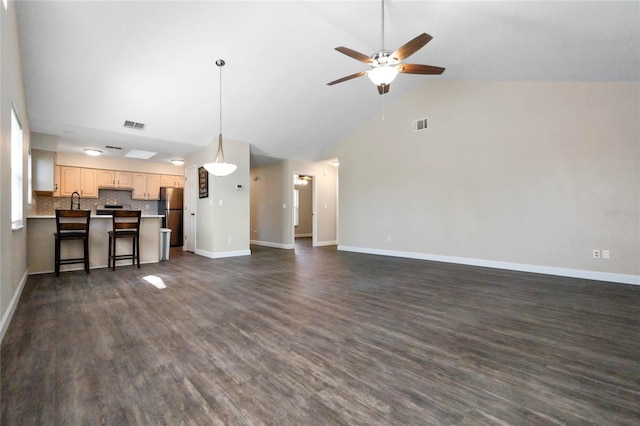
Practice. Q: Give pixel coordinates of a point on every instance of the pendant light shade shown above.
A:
(220, 167)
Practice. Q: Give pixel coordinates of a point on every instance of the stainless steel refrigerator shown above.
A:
(171, 206)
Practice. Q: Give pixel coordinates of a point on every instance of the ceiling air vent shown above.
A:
(113, 147)
(420, 125)
(134, 125)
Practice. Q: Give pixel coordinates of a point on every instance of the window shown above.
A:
(16, 172)
(29, 179)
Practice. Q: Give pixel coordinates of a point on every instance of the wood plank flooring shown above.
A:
(320, 337)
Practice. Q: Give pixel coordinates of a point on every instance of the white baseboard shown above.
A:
(522, 267)
(222, 254)
(326, 243)
(6, 318)
(274, 245)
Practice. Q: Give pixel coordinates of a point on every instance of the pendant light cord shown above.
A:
(220, 98)
(382, 33)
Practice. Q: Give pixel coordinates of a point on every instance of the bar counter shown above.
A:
(41, 243)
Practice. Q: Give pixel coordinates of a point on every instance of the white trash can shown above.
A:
(165, 243)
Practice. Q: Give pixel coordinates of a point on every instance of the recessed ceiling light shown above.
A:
(92, 152)
(143, 155)
(177, 162)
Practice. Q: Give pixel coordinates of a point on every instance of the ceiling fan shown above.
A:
(385, 64)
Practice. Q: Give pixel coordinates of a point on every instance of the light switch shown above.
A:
(220, 202)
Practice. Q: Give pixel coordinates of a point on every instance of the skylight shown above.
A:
(143, 155)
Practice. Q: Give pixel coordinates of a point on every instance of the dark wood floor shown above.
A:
(320, 337)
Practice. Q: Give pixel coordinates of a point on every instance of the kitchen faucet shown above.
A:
(78, 203)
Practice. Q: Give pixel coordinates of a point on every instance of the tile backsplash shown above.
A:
(46, 205)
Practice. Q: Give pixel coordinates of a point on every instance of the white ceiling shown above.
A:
(91, 65)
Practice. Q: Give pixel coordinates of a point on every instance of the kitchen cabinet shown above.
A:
(146, 186)
(56, 181)
(115, 179)
(106, 179)
(172, 181)
(84, 181)
(124, 179)
(43, 176)
(88, 183)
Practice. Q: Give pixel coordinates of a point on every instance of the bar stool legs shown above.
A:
(126, 224)
(72, 225)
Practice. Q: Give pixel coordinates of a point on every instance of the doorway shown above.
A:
(304, 225)
(190, 187)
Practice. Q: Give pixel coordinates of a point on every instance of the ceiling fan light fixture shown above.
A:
(382, 75)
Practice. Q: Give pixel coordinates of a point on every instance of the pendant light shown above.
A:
(219, 167)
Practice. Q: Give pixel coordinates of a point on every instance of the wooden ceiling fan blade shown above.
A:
(355, 55)
(412, 46)
(383, 88)
(419, 69)
(349, 77)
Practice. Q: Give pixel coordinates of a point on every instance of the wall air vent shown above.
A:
(420, 125)
(113, 147)
(134, 125)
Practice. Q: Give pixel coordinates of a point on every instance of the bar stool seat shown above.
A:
(72, 225)
(126, 224)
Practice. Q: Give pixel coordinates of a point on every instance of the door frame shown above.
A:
(190, 202)
(314, 213)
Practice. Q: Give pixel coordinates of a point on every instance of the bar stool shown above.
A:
(72, 225)
(126, 224)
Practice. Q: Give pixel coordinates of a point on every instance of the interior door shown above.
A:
(189, 219)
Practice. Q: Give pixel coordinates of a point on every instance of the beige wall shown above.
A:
(269, 192)
(216, 223)
(272, 188)
(519, 173)
(325, 180)
(13, 243)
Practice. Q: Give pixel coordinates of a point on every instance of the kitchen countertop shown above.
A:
(93, 216)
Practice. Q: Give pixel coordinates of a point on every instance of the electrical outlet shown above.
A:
(220, 203)
(229, 240)
(56, 204)
(388, 238)
(596, 254)
(606, 254)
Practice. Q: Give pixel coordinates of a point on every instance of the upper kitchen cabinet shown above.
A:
(124, 179)
(172, 181)
(146, 186)
(42, 166)
(106, 179)
(115, 179)
(76, 179)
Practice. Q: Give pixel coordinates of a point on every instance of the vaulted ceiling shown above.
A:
(91, 65)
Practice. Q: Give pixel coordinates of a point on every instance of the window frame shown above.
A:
(17, 171)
